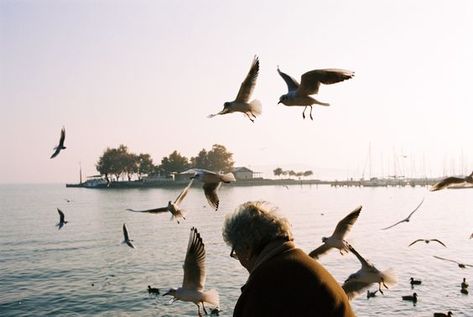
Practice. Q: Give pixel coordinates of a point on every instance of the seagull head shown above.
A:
(282, 99)
(324, 239)
(172, 292)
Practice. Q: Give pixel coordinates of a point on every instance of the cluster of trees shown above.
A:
(120, 162)
(280, 172)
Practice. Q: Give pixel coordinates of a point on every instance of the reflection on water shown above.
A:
(84, 268)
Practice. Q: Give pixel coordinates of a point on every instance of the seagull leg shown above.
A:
(311, 113)
(379, 288)
(249, 117)
(203, 307)
(198, 310)
(303, 112)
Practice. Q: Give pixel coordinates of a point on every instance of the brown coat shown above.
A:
(292, 284)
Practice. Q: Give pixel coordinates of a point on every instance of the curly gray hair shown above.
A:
(254, 224)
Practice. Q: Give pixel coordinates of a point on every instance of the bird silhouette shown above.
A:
(60, 146)
(446, 182)
(62, 222)
(299, 94)
(408, 217)
(337, 239)
(428, 241)
(460, 265)
(242, 101)
(126, 238)
(212, 182)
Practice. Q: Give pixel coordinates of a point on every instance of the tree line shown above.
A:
(120, 162)
(280, 172)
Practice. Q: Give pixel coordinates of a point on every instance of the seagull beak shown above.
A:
(279, 102)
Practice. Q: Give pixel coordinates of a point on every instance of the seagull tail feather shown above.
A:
(211, 297)
(256, 107)
(389, 277)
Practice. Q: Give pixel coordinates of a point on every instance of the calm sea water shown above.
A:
(84, 270)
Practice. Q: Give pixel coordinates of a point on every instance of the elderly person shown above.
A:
(283, 281)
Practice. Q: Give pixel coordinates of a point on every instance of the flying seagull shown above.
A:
(337, 239)
(60, 146)
(212, 182)
(444, 183)
(192, 289)
(460, 265)
(126, 239)
(62, 222)
(408, 217)
(242, 101)
(427, 241)
(299, 95)
(367, 275)
(172, 207)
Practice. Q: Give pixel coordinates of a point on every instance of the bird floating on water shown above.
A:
(446, 182)
(62, 222)
(415, 282)
(60, 146)
(212, 182)
(370, 294)
(411, 298)
(172, 207)
(153, 290)
(464, 283)
(367, 275)
(337, 239)
(448, 314)
(427, 241)
(460, 265)
(242, 101)
(192, 289)
(126, 238)
(408, 217)
(299, 94)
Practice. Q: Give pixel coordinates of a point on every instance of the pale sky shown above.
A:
(147, 73)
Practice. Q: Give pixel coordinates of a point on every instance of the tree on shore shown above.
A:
(174, 163)
(218, 159)
(278, 171)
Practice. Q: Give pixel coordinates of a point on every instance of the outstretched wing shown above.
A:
(364, 264)
(248, 85)
(61, 215)
(153, 211)
(291, 83)
(310, 81)
(416, 241)
(183, 194)
(210, 191)
(125, 233)
(194, 264)
(319, 251)
(418, 206)
(440, 258)
(403, 220)
(58, 149)
(346, 223)
(62, 137)
(353, 287)
(444, 183)
(437, 240)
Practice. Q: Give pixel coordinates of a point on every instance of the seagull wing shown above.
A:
(444, 183)
(364, 264)
(418, 206)
(346, 223)
(210, 191)
(194, 264)
(394, 224)
(61, 215)
(153, 211)
(353, 287)
(310, 81)
(291, 83)
(319, 251)
(183, 194)
(125, 233)
(440, 258)
(62, 138)
(437, 240)
(248, 85)
(416, 241)
(58, 149)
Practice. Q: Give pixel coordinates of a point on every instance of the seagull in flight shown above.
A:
(299, 94)
(427, 241)
(172, 207)
(460, 265)
(444, 183)
(60, 146)
(126, 238)
(408, 217)
(367, 275)
(62, 222)
(242, 101)
(337, 239)
(192, 289)
(212, 182)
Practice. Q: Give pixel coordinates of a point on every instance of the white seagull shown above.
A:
(299, 95)
(460, 265)
(212, 182)
(367, 275)
(172, 207)
(60, 146)
(337, 239)
(62, 222)
(427, 241)
(408, 217)
(444, 183)
(192, 289)
(126, 238)
(242, 101)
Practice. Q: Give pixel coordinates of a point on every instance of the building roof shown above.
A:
(241, 169)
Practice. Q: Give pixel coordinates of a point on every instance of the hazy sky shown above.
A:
(147, 73)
